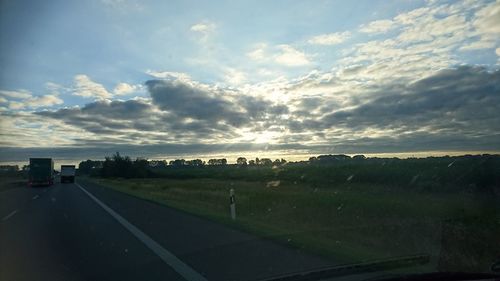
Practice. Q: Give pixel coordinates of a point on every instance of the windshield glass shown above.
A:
(248, 140)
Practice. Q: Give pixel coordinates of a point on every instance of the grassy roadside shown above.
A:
(349, 222)
(12, 181)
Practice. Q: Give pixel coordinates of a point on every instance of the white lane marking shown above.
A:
(9, 215)
(179, 266)
(35, 197)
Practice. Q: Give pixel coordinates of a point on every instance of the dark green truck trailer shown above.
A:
(41, 172)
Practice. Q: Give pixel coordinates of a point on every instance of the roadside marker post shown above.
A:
(232, 204)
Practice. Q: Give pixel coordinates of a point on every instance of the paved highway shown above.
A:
(85, 232)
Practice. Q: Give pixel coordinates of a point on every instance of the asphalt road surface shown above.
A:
(86, 232)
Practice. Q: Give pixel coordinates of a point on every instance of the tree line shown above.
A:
(431, 173)
(123, 166)
(118, 165)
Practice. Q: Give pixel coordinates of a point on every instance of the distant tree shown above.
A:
(123, 166)
(178, 162)
(90, 167)
(157, 163)
(257, 161)
(108, 167)
(241, 161)
(266, 162)
(86, 167)
(217, 162)
(195, 163)
(251, 163)
(359, 157)
(117, 166)
(140, 168)
(332, 158)
(9, 168)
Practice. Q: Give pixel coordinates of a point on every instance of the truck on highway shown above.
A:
(68, 173)
(41, 172)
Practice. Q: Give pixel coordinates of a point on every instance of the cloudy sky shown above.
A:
(80, 79)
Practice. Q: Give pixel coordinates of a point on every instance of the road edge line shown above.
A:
(175, 263)
(10, 215)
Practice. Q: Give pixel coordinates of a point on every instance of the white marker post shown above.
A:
(232, 204)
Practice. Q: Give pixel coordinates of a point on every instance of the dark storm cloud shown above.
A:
(259, 109)
(179, 110)
(188, 101)
(416, 142)
(309, 103)
(116, 118)
(102, 117)
(184, 100)
(467, 98)
(121, 110)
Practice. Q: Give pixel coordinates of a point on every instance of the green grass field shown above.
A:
(350, 222)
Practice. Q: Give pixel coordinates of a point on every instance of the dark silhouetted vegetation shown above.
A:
(118, 166)
(11, 171)
(470, 172)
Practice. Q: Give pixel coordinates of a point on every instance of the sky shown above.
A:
(83, 79)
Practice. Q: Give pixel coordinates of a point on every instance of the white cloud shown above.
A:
(16, 105)
(19, 94)
(122, 89)
(43, 101)
(330, 39)
(487, 20)
(85, 87)
(51, 86)
(169, 75)
(234, 77)
(463, 25)
(378, 26)
(22, 126)
(428, 27)
(290, 56)
(411, 16)
(497, 51)
(205, 29)
(478, 45)
(486, 25)
(427, 41)
(21, 99)
(281, 54)
(259, 53)
(36, 102)
(124, 6)
(265, 72)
